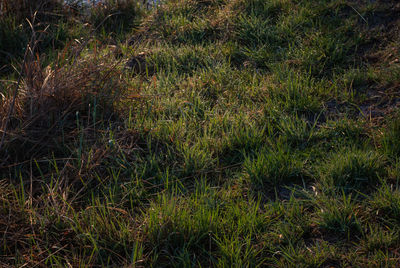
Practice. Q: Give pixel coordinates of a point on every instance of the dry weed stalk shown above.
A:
(9, 104)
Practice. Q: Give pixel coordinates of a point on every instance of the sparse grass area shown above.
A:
(207, 133)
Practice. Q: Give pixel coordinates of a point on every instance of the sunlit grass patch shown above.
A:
(352, 170)
(179, 227)
(340, 216)
(274, 166)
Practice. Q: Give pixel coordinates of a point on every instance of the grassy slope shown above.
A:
(239, 133)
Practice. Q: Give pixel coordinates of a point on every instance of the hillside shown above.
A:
(200, 133)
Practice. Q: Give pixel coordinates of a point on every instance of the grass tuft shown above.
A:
(274, 167)
(353, 170)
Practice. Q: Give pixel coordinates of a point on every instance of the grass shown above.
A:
(200, 133)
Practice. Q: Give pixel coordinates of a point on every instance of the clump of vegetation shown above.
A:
(274, 167)
(353, 170)
(199, 133)
(114, 17)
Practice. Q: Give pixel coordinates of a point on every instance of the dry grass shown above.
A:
(55, 101)
(22, 9)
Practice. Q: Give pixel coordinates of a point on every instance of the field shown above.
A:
(200, 133)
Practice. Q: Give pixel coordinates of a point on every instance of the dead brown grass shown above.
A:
(56, 102)
(21, 9)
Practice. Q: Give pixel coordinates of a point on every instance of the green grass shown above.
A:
(206, 133)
